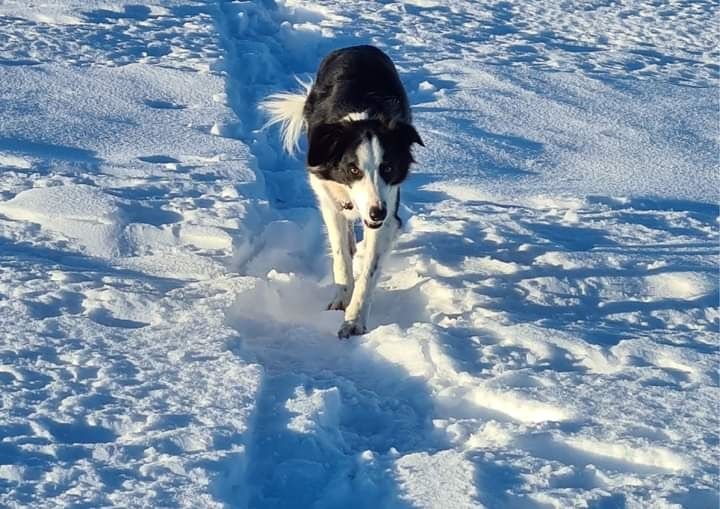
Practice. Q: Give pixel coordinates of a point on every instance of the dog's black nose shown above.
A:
(378, 213)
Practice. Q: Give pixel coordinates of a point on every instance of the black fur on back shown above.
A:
(355, 80)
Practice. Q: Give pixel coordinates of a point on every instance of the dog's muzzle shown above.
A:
(377, 216)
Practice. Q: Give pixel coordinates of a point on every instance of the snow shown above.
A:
(546, 332)
(82, 212)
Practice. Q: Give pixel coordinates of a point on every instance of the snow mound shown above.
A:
(83, 213)
(444, 479)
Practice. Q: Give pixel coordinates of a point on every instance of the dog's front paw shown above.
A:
(341, 299)
(352, 328)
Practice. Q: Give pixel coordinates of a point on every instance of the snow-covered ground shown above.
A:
(546, 334)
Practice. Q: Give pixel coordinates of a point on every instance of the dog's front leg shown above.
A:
(337, 228)
(378, 243)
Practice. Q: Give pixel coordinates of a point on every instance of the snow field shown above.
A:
(123, 208)
(545, 334)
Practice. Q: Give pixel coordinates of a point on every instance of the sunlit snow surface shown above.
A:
(545, 334)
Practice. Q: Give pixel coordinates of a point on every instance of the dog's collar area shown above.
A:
(346, 205)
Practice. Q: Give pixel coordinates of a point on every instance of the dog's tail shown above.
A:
(286, 109)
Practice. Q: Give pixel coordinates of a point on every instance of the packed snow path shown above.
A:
(546, 332)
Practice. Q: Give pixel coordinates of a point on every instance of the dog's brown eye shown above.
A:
(385, 168)
(354, 170)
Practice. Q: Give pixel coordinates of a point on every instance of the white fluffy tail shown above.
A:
(286, 109)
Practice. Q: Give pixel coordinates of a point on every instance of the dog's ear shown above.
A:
(407, 134)
(327, 143)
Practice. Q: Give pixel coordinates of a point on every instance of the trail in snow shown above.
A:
(545, 334)
(330, 418)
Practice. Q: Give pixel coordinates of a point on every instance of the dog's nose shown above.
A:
(378, 213)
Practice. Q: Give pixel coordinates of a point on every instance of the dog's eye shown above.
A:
(385, 168)
(354, 170)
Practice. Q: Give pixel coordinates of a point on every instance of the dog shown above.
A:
(360, 134)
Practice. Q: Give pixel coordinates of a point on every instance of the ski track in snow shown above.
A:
(545, 334)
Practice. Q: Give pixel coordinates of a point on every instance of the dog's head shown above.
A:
(367, 156)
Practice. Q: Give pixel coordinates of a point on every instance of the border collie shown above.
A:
(358, 123)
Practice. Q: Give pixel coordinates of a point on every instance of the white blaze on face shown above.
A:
(371, 190)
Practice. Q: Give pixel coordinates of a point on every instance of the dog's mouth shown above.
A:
(372, 224)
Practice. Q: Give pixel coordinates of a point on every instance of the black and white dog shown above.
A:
(358, 122)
